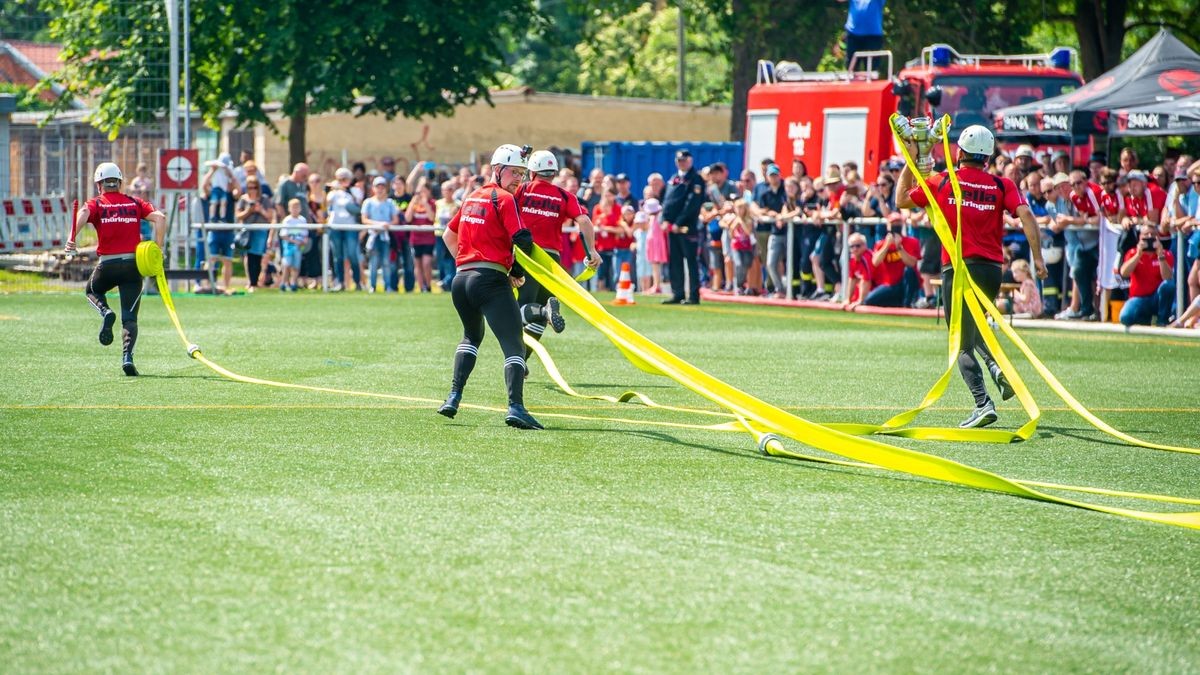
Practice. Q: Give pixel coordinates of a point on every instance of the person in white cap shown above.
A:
(545, 209)
(117, 218)
(481, 236)
(985, 198)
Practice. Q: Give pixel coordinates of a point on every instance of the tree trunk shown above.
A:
(296, 108)
(1100, 25)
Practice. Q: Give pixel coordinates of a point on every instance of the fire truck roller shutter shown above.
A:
(760, 138)
(845, 136)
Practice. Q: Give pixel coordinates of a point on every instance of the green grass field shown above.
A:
(182, 522)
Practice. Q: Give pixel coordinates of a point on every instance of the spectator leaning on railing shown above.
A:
(1150, 270)
(344, 209)
(1076, 207)
(895, 258)
(381, 213)
(862, 271)
(255, 208)
(1038, 194)
(767, 206)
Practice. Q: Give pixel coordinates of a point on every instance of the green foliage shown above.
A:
(27, 100)
(636, 55)
(23, 20)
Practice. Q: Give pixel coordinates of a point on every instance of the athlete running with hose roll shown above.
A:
(984, 199)
(117, 218)
(545, 209)
(481, 236)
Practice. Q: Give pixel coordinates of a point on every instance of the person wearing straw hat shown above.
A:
(117, 219)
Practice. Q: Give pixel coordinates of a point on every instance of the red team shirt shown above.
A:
(118, 219)
(985, 198)
(483, 236)
(1146, 277)
(892, 270)
(606, 241)
(860, 269)
(1083, 203)
(544, 207)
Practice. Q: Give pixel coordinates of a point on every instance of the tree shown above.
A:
(635, 54)
(799, 31)
(406, 58)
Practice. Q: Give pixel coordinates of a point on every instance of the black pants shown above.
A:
(253, 268)
(124, 276)
(685, 253)
(531, 297)
(481, 294)
(1084, 275)
(861, 43)
(987, 276)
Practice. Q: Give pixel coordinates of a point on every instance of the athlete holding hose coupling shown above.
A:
(980, 235)
(481, 236)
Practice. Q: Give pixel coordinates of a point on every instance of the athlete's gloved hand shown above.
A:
(70, 250)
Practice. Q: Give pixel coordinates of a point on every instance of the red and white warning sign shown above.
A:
(178, 169)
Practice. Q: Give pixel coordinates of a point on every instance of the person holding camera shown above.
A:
(1150, 271)
(255, 208)
(895, 261)
(980, 234)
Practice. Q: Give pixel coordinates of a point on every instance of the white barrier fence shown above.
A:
(31, 224)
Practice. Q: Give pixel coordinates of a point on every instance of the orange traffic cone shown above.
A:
(625, 287)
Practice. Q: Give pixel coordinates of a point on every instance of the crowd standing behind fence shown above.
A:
(783, 236)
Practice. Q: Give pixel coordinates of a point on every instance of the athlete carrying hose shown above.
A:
(984, 199)
(481, 236)
(545, 209)
(117, 218)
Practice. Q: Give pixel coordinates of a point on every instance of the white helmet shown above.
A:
(543, 161)
(977, 140)
(107, 171)
(508, 155)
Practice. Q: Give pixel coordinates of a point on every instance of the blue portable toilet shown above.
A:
(639, 159)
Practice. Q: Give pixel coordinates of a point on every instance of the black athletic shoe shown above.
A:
(129, 368)
(106, 334)
(1006, 389)
(672, 301)
(557, 322)
(520, 418)
(450, 407)
(693, 301)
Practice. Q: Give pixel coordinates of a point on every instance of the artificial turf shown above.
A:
(182, 522)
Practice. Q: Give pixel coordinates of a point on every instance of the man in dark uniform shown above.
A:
(681, 214)
(481, 236)
(117, 218)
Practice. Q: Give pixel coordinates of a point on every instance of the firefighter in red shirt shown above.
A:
(481, 236)
(985, 198)
(117, 218)
(545, 208)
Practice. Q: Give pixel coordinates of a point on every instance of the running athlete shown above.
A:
(984, 199)
(481, 236)
(545, 209)
(117, 218)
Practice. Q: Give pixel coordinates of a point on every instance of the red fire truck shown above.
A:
(825, 118)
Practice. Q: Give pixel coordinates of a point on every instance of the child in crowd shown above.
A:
(219, 180)
(1026, 299)
(293, 235)
(641, 233)
(656, 243)
(741, 235)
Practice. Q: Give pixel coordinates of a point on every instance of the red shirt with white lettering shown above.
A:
(985, 199)
(1147, 276)
(1135, 205)
(118, 221)
(1083, 203)
(485, 226)
(891, 271)
(545, 207)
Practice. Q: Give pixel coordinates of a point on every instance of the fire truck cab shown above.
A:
(828, 118)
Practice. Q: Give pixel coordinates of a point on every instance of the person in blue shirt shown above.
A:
(864, 27)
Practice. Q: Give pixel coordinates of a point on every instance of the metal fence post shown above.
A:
(845, 257)
(791, 258)
(325, 259)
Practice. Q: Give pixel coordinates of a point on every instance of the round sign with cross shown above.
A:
(177, 169)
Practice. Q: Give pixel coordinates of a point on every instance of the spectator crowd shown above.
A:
(1108, 233)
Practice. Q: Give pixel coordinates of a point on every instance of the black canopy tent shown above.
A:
(1163, 70)
(1180, 117)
